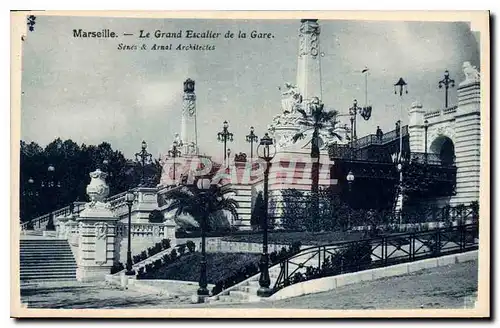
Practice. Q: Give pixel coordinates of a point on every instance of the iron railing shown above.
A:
(373, 139)
(343, 257)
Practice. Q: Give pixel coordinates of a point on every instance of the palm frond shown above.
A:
(303, 112)
(297, 136)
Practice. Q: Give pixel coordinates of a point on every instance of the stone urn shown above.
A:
(97, 190)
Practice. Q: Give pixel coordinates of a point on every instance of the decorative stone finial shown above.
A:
(189, 86)
(471, 73)
(97, 190)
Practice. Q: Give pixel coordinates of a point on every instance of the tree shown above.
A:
(203, 205)
(258, 212)
(317, 121)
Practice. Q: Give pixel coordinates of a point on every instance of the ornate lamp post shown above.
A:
(174, 152)
(203, 185)
(251, 138)
(447, 82)
(143, 158)
(266, 151)
(400, 87)
(350, 180)
(426, 128)
(365, 113)
(129, 199)
(225, 136)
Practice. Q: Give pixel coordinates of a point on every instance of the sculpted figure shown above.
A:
(290, 97)
(471, 73)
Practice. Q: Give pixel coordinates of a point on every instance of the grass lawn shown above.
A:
(305, 237)
(219, 266)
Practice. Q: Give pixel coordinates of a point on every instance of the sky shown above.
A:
(87, 90)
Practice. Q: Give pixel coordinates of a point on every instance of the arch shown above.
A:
(444, 148)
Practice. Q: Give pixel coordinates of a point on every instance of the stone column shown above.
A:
(308, 66)
(468, 137)
(97, 229)
(416, 128)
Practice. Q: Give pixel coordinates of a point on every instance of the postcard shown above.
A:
(250, 164)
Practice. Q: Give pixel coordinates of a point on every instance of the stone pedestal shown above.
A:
(97, 232)
(96, 256)
(145, 202)
(468, 143)
(416, 128)
(169, 231)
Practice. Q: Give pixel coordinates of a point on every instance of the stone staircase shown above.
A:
(46, 259)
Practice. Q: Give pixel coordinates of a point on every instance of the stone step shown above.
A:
(55, 267)
(239, 294)
(60, 275)
(249, 289)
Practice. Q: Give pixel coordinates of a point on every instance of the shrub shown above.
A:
(166, 259)
(191, 246)
(181, 249)
(155, 217)
(117, 267)
(165, 243)
(50, 225)
(258, 211)
(173, 255)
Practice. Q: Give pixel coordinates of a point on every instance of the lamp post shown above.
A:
(174, 152)
(203, 185)
(350, 180)
(266, 151)
(426, 128)
(129, 199)
(251, 138)
(225, 136)
(353, 111)
(143, 158)
(400, 87)
(447, 82)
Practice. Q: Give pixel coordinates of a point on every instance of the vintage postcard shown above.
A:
(250, 164)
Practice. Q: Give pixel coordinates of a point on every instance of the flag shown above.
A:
(365, 70)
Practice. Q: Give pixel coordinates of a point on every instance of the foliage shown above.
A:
(157, 248)
(316, 120)
(181, 249)
(202, 203)
(117, 267)
(155, 217)
(50, 224)
(72, 163)
(187, 267)
(191, 246)
(258, 211)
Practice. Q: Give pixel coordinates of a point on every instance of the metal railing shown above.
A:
(343, 257)
(373, 139)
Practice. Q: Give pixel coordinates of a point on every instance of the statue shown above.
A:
(290, 98)
(177, 139)
(471, 73)
(191, 149)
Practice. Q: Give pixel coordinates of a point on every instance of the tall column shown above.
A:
(416, 128)
(97, 225)
(468, 137)
(308, 67)
(188, 122)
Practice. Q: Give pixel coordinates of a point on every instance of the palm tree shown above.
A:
(203, 204)
(318, 120)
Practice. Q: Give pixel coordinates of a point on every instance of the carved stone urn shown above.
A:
(97, 190)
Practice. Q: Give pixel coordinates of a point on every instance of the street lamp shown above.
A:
(129, 199)
(447, 82)
(225, 136)
(266, 151)
(143, 158)
(350, 180)
(251, 138)
(174, 152)
(400, 87)
(426, 127)
(203, 185)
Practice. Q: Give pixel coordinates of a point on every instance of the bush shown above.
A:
(50, 225)
(181, 249)
(258, 211)
(155, 217)
(117, 267)
(173, 255)
(191, 246)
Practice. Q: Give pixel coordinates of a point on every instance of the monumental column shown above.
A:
(189, 136)
(308, 66)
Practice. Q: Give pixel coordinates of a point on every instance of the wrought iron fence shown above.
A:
(343, 257)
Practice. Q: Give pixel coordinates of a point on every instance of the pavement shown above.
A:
(453, 286)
